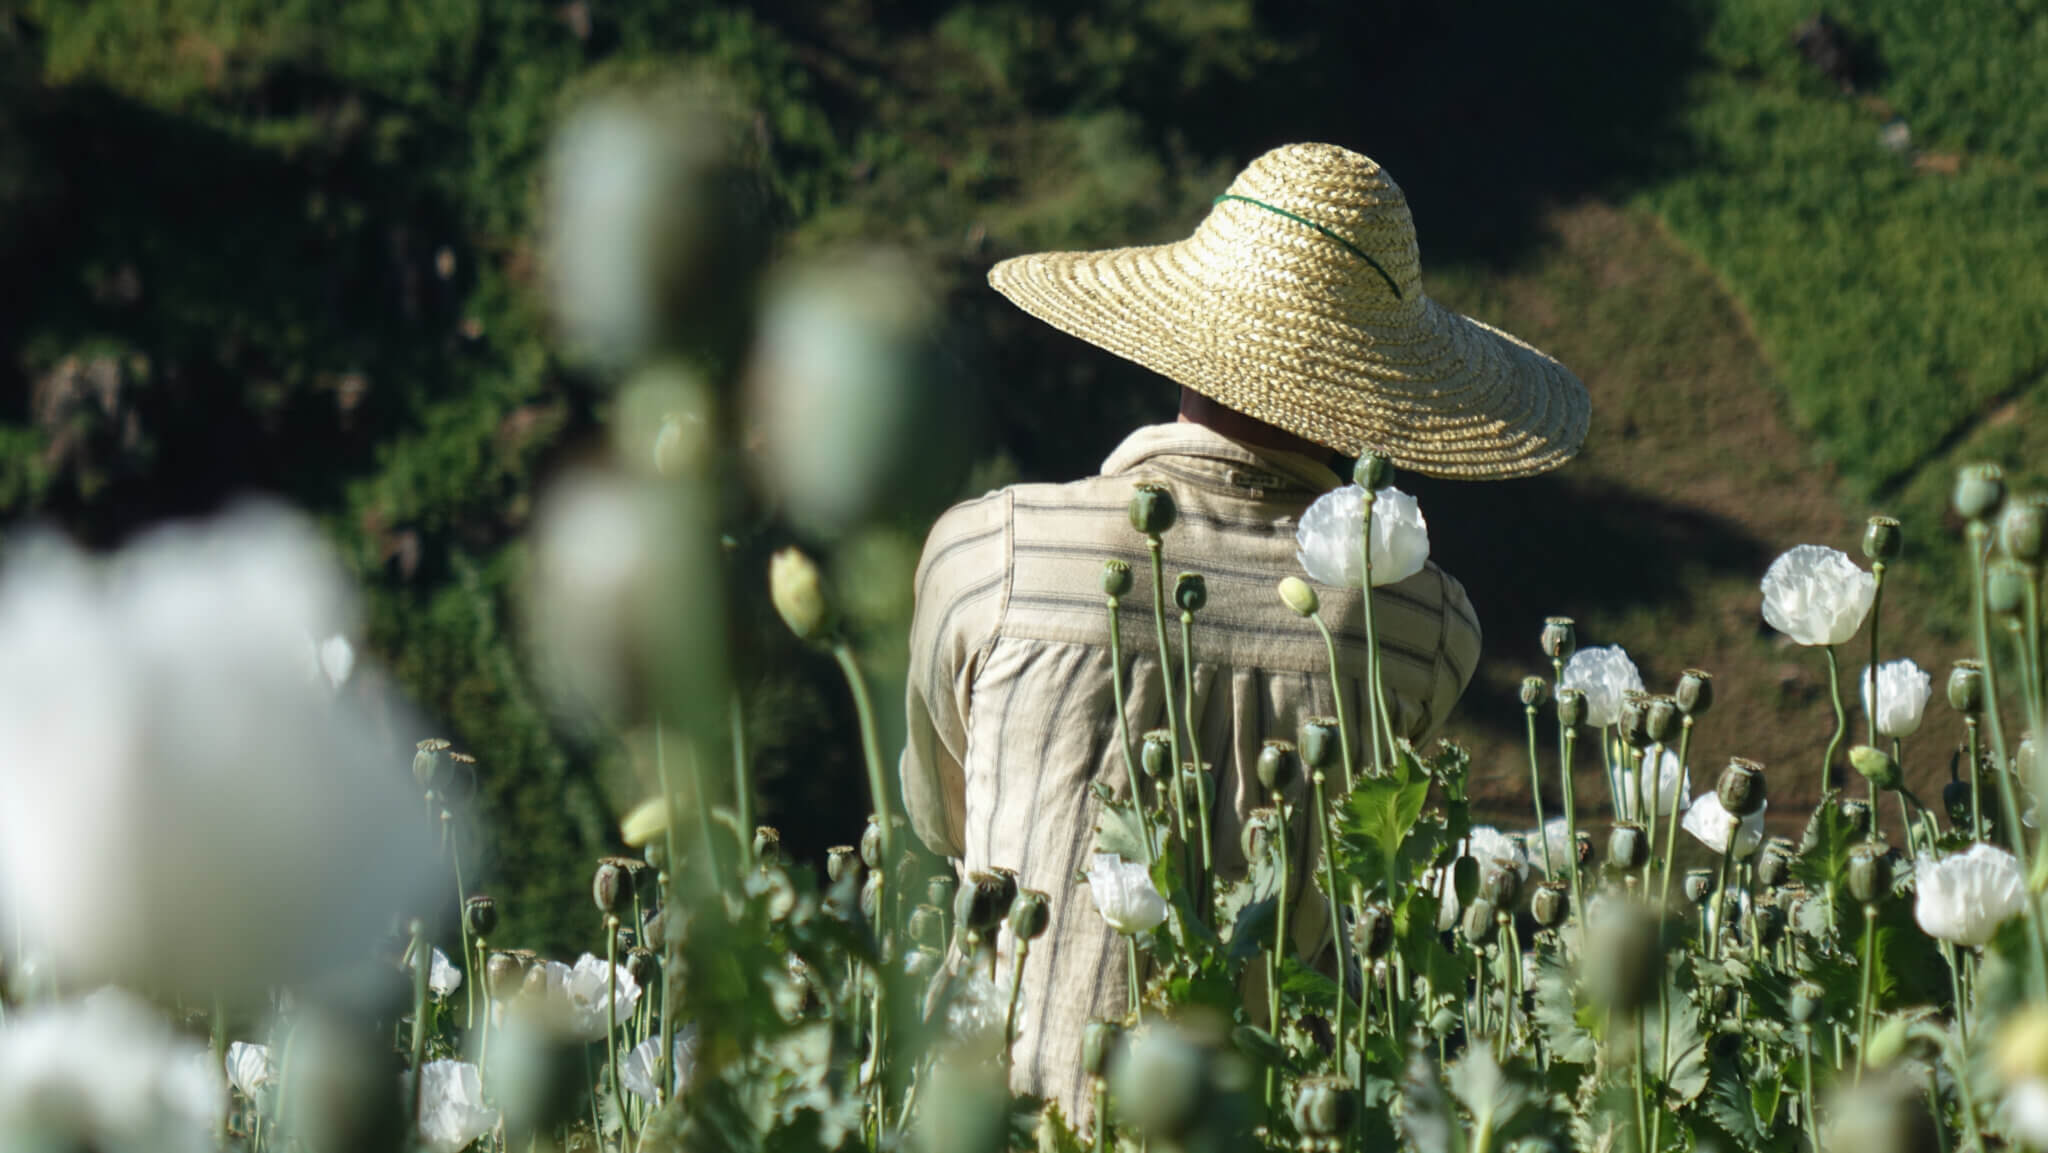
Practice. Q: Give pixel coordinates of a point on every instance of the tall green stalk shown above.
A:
(1863, 998)
(1536, 787)
(878, 790)
(1336, 695)
(1336, 913)
(742, 787)
(1187, 678)
(1153, 546)
(1123, 724)
(1870, 701)
(1980, 535)
(1383, 724)
(1827, 764)
(1671, 818)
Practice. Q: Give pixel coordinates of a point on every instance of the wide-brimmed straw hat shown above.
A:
(1298, 301)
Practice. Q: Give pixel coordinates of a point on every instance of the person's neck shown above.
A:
(1198, 409)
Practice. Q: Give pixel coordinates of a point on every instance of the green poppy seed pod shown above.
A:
(640, 966)
(1373, 472)
(1661, 717)
(1256, 837)
(1373, 932)
(1551, 903)
(871, 843)
(1152, 509)
(608, 885)
(1699, 885)
(1559, 639)
(1323, 1107)
(871, 896)
(1635, 719)
(1966, 688)
(1295, 594)
(928, 926)
(1856, 818)
(1320, 744)
(1882, 540)
(1876, 766)
(983, 902)
(1201, 789)
(1870, 872)
(1628, 847)
(939, 889)
(1695, 692)
(797, 589)
(2005, 587)
(1623, 960)
(1979, 491)
(1571, 708)
(1030, 914)
(504, 972)
(1278, 765)
(2023, 528)
(1156, 753)
(480, 913)
(1190, 592)
(841, 860)
(767, 843)
(1099, 1041)
(426, 761)
(1477, 923)
(1535, 690)
(1116, 578)
(1741, 787)
(1774, 866)
(1501, 887)
(1465, 880)
(1008, 878)
(1807, 1000)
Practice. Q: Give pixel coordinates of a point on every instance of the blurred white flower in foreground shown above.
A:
(162, 749)
(452, 1109)
(1603, 673)
(1816, 595)
(1902, 691)
(104, 1073)
(1964, 897)
(1328, 534)
(1715, 826)
(333, 660)
(579, 993)
(248, 1067)
(442, 975)
(636, 1069)
(1673, 786)
(1124, 894)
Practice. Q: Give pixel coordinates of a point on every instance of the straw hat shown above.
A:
(1299, 302)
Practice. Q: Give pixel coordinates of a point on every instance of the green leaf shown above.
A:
(1566, 1027)
(1118, 830)
(1427, 1122)
(1375, 820)
(1824, 849)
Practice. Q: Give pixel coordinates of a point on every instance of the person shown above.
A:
(1295, 323)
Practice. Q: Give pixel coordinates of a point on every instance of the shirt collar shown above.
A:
(1232, 461)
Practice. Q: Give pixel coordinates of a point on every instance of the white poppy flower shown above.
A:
(1556, 840)
(1965, 896)
(636, 1069)
(1714, 826)
(1902, 691)
(1816, 595)
(580, 992)
(452, 1109)
(106, 1072)
(248, 1067)
(1329, 531)
(975, 1016)
(1673, 786)
(1496, 851)
(162, 748)
(442, 975)
(1124, 894)
(1603, 673)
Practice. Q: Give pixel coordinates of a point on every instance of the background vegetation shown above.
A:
(287, 246)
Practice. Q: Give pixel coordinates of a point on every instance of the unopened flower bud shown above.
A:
(1534, 692)
(1876, 766)
(1501, 887)
(1477, 923)
(1695, 692)
(1628, 847)
(426, 762)
(1373, 472)
(767, 843)
(609, 885)
(1099, 1041)
(1966, 688)
(1979, 491)
(480, 913)
(1571, 708)
(1190, 592)
(1116, 578)
(1660, 719)
(1870, 872)
(2005, 587)
(1278, 766)
(1320, 744)
(1156, 754)
(1774, 867)
(798, 590)
(1465, 880)
(1550, 904)
(1296, 594)
(1030, 914)
(1559, 639)
(1882, 540)
(1741, 787)
(1152, 509)
(1323, 1107)
(1635, 718)
(1373, 932)
(2023, 528)
(840, 861)
(1699, 885)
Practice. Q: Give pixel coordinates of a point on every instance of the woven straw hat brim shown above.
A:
(1431, 390)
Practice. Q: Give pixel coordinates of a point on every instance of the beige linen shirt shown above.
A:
(1012, 716)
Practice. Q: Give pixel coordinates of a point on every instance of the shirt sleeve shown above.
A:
(962, 586)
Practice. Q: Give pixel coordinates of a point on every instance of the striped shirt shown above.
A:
(1011, 711)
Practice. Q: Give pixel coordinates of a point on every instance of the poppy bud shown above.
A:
(1152, 509)
(1099, 1040)
(1699, 885)
(1323, 1107)
(1190, 592)
(1559, 639)
(767, 843)
(1774, 867)
(1966, 688)
(1741, 787)
(1534, 690)
(1635, 719)
(481, 915)
(1320, 746)
(1465, 880)
(1477, 924)
(1501, 887)
(1296, 594)
(1876, 766)
(1660, 718)
(640, 966)
(1373, 472)
(1628, 848)
(797, 589)
(1373, 932)
(1807, 1001)
(1278, 766)
(1156, 753)
(1870, 872)
(1882, 540)
(1979, 491)
(609, 885)
(1571, 708)
(1695, 693)
(1030, 914)
(2021, 528)
(1551, 904)
(1116, 578)
(426, 762)
(841, 860)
